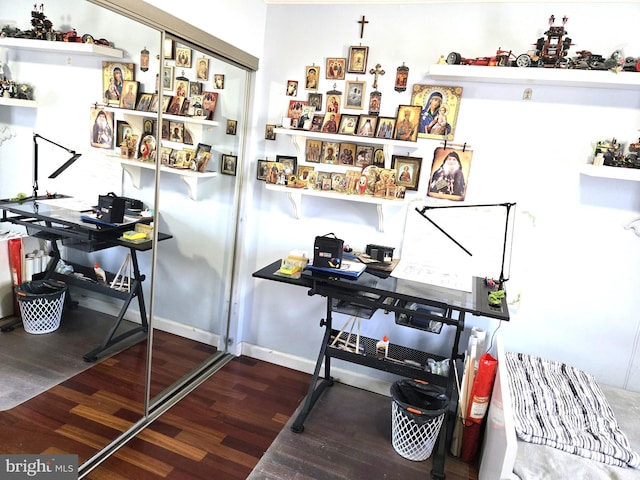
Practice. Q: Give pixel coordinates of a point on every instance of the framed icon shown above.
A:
(358, 57)
(336, 68)
(183, 57)
(439, 110)
(228, 164)
(408, 171)
(262, 169)
(348, 124)
(354, 99)
(202, 70)
(113, 76)
(231, 127)
(407, 122)
(167, 79)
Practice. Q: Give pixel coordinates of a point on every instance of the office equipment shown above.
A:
(369, 293)
(67, 227)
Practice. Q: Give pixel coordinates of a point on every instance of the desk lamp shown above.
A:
(63, 167)
(422, 211)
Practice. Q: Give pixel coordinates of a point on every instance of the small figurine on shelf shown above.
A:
(42, 27)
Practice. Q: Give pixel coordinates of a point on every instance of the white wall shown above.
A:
(574, 266)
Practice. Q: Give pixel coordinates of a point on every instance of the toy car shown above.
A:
(502, 58)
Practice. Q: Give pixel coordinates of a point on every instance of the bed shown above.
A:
(506, 456)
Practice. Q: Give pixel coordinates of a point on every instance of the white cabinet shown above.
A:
(299, 139)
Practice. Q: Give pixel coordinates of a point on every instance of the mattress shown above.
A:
(541, 462)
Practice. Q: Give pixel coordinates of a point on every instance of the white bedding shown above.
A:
(541, 462)
(563, 407)
(506, 457)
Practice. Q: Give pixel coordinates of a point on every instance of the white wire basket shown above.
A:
(415, 428)
(41, 303)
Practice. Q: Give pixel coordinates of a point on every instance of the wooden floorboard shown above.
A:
(219, 431)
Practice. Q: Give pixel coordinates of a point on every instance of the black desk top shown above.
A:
(474, 302)
(65, 223)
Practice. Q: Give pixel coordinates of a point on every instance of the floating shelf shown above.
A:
(61, 47)
(134, 169)
(175, 118)
(296, 194)
(336, 137)
(16, 102)
(537, 75)
(604, 171)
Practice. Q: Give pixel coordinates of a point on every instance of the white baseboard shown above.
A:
(365, 382)
(300, 364)
(166, 325)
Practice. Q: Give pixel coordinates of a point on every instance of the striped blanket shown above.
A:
(563, 407)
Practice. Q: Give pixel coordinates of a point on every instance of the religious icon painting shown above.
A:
(358, 57)
(407, 122)
(183, 57)
(312, 75)
(385, 127)
(336, 68)
(102, 132)
(439, 110)
(334, 98)
(315, 100)
(354, 98)
(113, 76)
(449, 176)
(408, 171)
(316, 123)
(295, 108)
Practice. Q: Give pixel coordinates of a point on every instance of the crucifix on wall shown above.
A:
(362, 21)
(375, 72)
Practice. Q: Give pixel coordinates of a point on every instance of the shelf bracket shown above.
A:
(296, 203)
(192, 186)
(380, 218)
(134, 174)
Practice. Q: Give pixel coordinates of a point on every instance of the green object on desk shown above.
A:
(495, 298)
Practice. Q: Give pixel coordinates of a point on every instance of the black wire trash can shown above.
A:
(41, 303)
(417, 412)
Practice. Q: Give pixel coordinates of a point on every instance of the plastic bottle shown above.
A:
(100, 275)
(382, 347)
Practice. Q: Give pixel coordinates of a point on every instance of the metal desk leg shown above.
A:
(315, 389)
(136, 290)
(437, 470)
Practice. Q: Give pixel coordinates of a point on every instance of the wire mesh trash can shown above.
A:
(417, 412)
(41, 303)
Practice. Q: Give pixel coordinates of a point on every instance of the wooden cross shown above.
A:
(375, 72)
(362, 22)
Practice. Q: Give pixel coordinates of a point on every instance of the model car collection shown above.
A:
(551, 51)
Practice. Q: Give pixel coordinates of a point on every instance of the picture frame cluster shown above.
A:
(187, 88)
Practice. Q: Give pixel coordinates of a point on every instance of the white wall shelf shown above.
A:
(61, 47)
(296, 194)
(335, 137)
(16, 102)
(537, 75)
(299, 138)
(191, 179)
(171, 118)
(604, 171)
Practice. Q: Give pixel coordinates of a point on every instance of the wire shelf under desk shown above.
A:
(394, 364)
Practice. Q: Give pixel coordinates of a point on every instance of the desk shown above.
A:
(63, 225)
(369, 293)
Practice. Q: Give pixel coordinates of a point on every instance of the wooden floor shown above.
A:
(220, 431)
